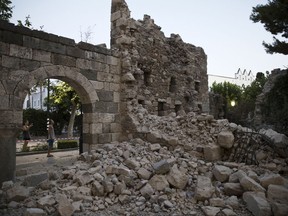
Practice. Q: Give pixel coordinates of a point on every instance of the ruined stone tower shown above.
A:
(163, 74)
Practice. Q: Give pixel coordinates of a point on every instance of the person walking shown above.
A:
(26, 134)
(51, 137)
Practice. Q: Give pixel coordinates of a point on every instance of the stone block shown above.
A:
(111, 60)
(34, 212)
(116, 97)
(212, 152)
(29, 65)
(106, 128)
(233, 189)
(279, 209)
(83, 64)
(274, 179)
(115, 128)
(161, 167)
(64, 207)
(177, 178)
(277, 193)
(20, 52)
(75, 52)
(144, 173)
(35, 179)
(159, 182)
(249, 184)
(105, 117)
(107, 96)
(11, 62)
(17, 193)
(42, 56)
(11, 37)
(221, 173)
(104, 138)
(53, 47)
(225, 139)
(96, 128)
(116, 15)
(63, 60)
(147, 191)
(257, 204)
(204, 188)
(4, 48)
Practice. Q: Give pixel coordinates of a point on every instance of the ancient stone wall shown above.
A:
(163, 74)
(29, 56)
(260, 117)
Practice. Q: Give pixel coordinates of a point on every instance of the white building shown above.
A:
(36, 100)
(240, 78)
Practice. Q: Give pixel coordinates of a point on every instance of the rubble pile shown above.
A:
(182, 174)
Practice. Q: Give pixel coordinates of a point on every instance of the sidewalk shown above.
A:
(33, 163)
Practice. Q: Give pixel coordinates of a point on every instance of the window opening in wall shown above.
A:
(147, 77)
(200, 107)
(177, 108)
(197, 86)
(161, 108)
(172, 86)
(187, 98)
(142, 102)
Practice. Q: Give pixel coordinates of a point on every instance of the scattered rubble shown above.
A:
(172, 170)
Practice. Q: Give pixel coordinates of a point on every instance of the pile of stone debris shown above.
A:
(179, 171)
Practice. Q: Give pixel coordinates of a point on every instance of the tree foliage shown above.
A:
(245, 98)
(230, 92)
(251, 92)
(65, 100)
(5, 10)
(276, 106)
(275, 19)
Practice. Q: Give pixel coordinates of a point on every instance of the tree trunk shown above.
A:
(41, 96)
(71, 120)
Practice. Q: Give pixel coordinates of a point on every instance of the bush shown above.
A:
(39, 120)
(64, 144)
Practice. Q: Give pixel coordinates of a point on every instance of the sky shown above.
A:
(222, 28)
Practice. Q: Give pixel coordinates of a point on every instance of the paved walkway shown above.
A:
(38, 162)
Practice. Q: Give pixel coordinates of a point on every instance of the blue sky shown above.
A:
(222, 28)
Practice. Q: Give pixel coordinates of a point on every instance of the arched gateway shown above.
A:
(29, 56)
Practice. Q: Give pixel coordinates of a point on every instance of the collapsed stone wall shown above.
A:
(163, 74)
(260, 117)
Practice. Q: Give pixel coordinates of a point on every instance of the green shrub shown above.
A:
(64, 144)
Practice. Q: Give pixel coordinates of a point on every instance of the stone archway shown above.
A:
(15, 89)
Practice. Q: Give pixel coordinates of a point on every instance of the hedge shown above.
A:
(64, 144)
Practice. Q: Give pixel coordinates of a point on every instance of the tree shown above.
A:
(230, 92)
(5, 10)
(275, 19)
(251, 92)
(27, 22)
(64, 99)
(275, 109)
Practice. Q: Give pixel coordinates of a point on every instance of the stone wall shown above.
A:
(260, 119)
(29, 56)
(164, 74)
